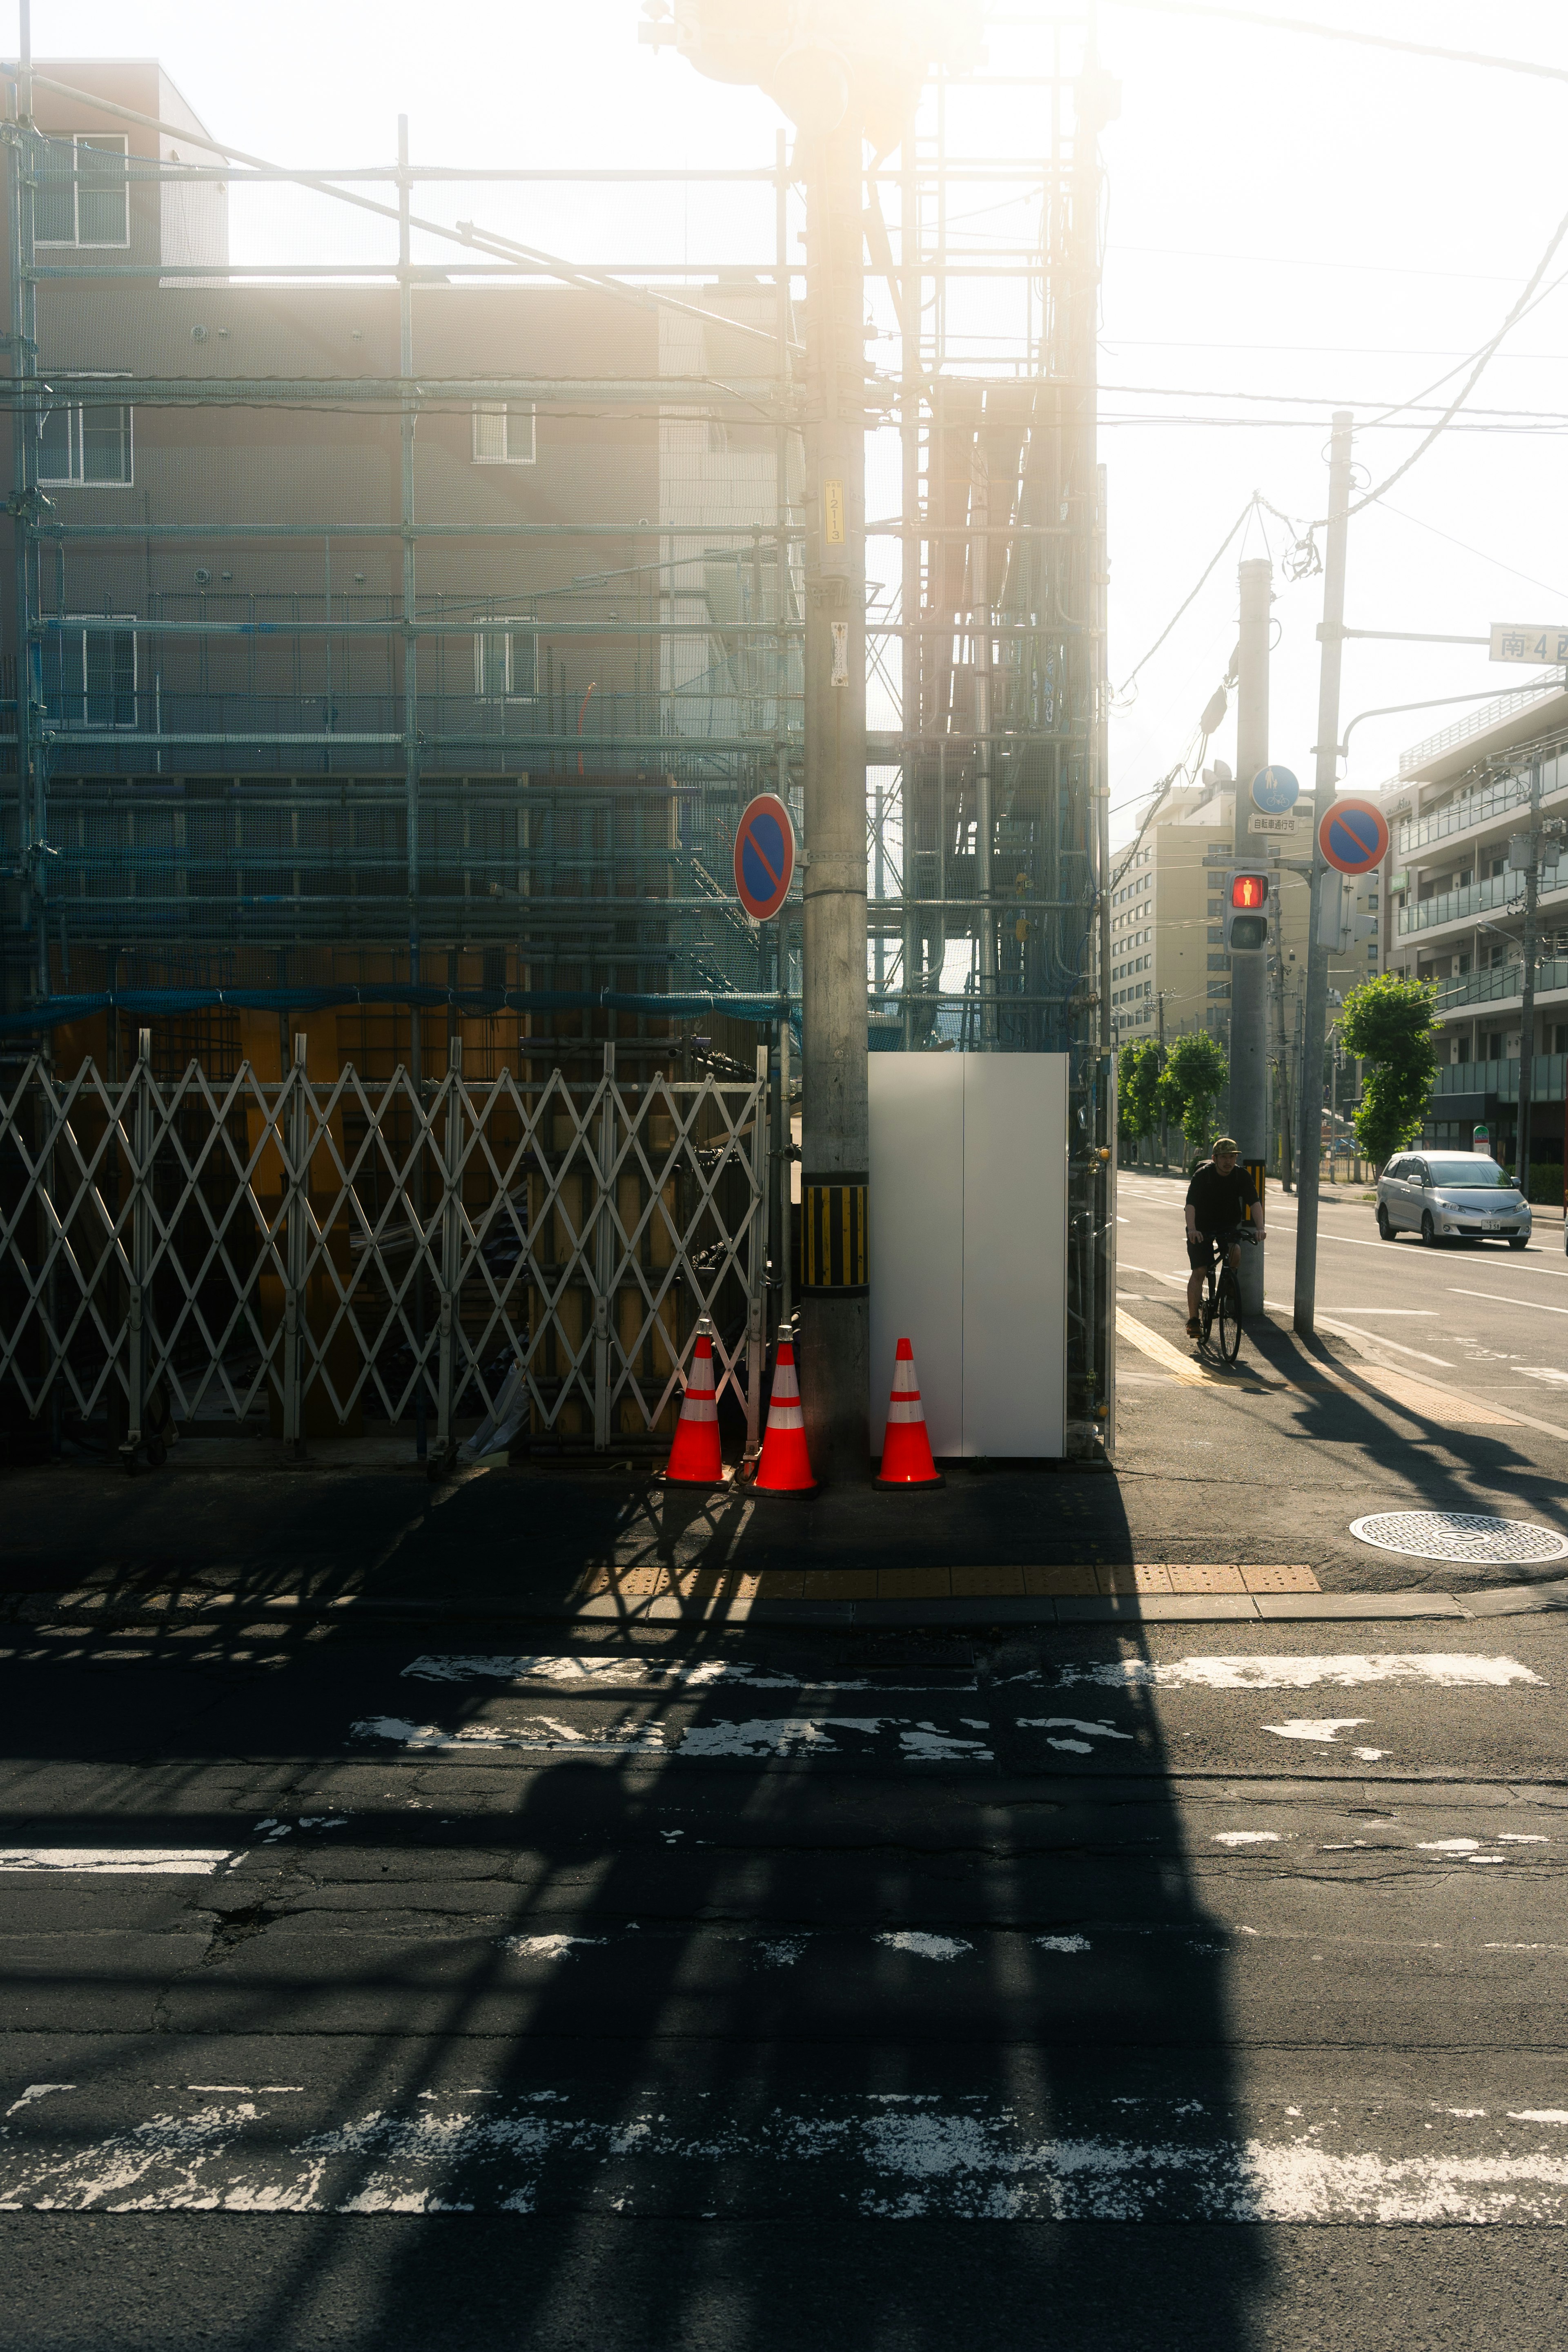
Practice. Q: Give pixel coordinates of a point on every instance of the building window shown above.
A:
(506, 661)
(82, 196)
(96, 675)
(503, 433)
(85, 446)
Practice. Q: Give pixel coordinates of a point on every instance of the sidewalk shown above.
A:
(1230, 1499)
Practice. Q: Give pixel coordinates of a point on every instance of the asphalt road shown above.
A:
(1469, 1314)
(1196, 1987)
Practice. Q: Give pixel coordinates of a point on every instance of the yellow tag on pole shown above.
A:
(833, 513)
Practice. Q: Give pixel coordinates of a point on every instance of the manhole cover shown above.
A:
(1460, 1535)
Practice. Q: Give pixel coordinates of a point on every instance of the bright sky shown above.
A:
(1286, 217)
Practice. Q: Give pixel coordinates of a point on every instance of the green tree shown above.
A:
(1138, 1069)
(1388, 1023)
(1190, 1084)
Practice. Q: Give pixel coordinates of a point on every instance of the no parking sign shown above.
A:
(1353, 837)
(763, 856)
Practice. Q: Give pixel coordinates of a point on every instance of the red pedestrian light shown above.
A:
(1246, 913)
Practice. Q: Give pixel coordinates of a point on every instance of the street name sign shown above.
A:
(1515, 641)
(763, 856)
(1353, 837)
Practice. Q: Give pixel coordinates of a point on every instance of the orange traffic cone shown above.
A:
(905, 1448)
(785, 1468)
(694, 1457)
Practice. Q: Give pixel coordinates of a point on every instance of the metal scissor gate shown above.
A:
(327, 1250)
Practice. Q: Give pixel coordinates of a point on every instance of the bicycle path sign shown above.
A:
(763, 856)
(1353, 837)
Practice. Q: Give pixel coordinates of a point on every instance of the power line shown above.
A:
(1482, 356)
(1343, 33)
(1479, 552)
(1182, 607)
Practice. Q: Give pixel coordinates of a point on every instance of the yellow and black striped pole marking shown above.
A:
(833, 1233)
(1255, 1168)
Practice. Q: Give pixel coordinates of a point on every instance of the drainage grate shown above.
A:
(1462, 1536)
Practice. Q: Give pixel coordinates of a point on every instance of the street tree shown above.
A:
(1138, 1069)
(1388, 1023)
(1189, 1088)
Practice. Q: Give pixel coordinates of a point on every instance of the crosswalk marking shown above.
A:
(907, 2155)
(108, 1862)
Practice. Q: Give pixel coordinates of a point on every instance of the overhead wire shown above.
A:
(1346, 32)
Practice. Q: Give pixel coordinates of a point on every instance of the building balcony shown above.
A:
(1458, 906)
(1502, 982)
(1500, 1078)
(1482, 807)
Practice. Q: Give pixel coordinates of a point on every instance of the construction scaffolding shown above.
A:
(406, 600)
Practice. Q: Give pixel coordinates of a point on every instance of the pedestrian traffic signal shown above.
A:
(1246, 912)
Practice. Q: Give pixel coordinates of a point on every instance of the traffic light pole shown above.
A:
(1249, 972)
(835, 1356)
(1527, 1005)
(1331, 636)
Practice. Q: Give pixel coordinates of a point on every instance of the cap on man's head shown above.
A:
(1226, 1143)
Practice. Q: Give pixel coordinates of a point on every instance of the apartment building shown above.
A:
(1455, 911)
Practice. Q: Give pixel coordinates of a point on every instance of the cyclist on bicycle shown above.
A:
(1215, 1199)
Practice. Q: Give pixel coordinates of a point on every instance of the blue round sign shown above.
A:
(1274, 791)
(763, 856)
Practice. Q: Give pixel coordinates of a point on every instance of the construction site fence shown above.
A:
(316, 1253)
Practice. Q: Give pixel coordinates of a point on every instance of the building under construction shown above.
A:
(407, 597)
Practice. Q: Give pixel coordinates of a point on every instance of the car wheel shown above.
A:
(1384, 1227)
(1519, 1240)
(1429, 1230)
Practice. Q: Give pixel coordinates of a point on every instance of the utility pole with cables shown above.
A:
(1331, 636)
(1248, 970)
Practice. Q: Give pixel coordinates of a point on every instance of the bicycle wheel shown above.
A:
(1229, 1311)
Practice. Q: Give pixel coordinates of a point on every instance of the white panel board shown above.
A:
(1015, 1254)
(917, 1239)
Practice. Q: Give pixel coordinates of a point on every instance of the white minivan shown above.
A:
(1448, 1196)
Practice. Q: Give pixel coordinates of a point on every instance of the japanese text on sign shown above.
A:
(833, 513)
(1512, 642)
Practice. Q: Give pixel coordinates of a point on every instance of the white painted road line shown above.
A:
(589, 1674)
(1441, 1672)
(117, 1862)
(1538, 1305)
(886, 2157)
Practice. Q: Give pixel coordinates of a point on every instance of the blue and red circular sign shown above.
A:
(1353, 837)
(763, 856)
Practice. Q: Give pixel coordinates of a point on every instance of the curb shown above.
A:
(1119, 1609)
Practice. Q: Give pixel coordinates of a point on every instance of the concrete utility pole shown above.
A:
(1250, 972)
(1527, 1006)
(1331, 636)
(835, 1357)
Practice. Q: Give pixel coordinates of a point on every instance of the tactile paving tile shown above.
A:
(1280, 1580)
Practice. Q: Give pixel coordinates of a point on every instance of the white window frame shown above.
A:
(510, 626)
(70, 635)
(74, 410)
(506, 410)
(99, 139)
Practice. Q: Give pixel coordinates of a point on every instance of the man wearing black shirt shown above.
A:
(1215, 1199)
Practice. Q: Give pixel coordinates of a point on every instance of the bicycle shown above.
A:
(1222, 1294)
